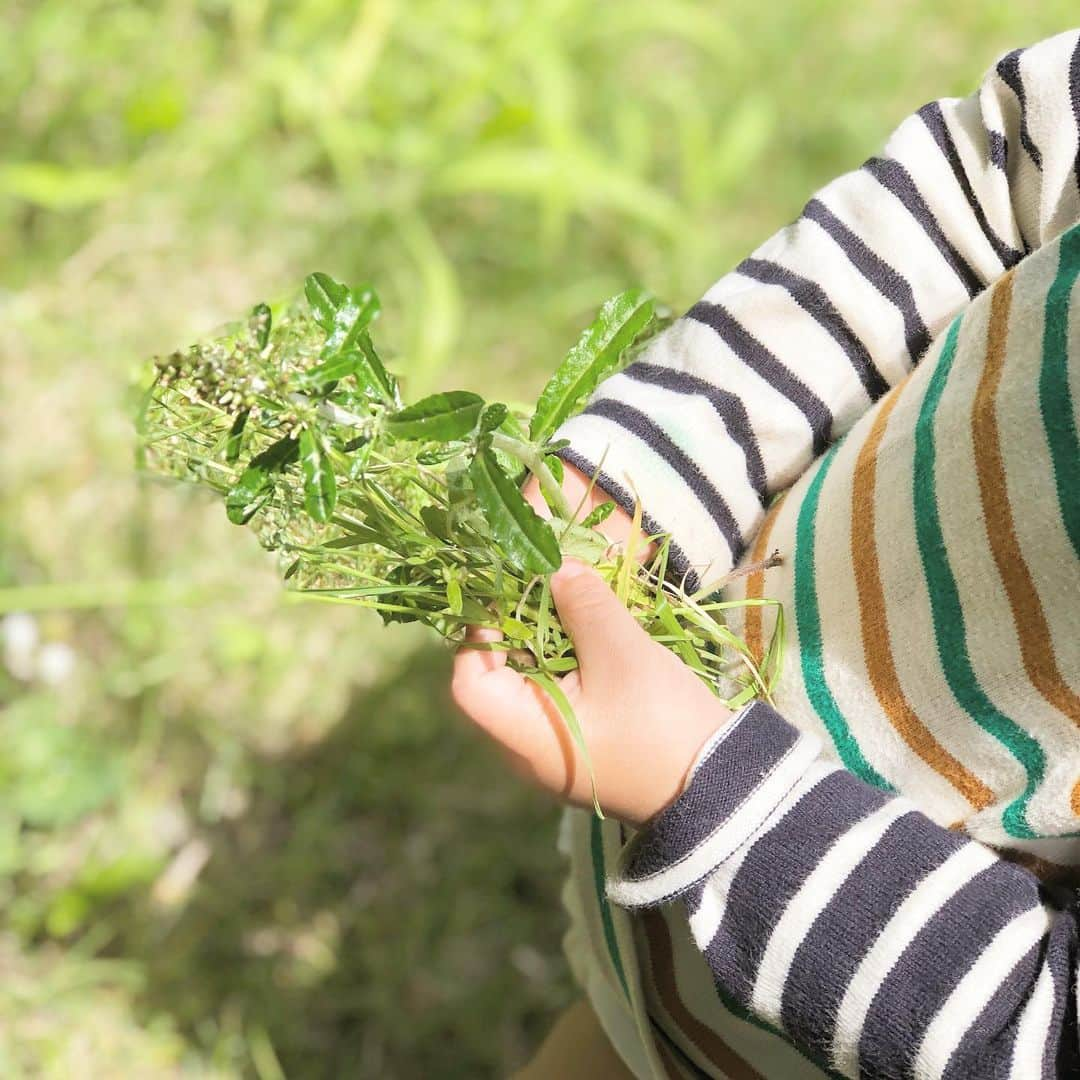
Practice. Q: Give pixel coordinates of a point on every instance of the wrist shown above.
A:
(687, 752)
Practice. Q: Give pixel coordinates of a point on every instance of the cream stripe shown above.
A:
(873, 614)
(974, 991)
(929, 896)
(710, 914)
(898, 241)
(781, 325)
(1029, 1047)
(1033, 632)
(811, 899)
(911, 605)
(629, 462)
(683, 418)
(843, 661)
(912, 141)
(691, 346)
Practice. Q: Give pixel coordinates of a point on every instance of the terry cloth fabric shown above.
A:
(875, 909)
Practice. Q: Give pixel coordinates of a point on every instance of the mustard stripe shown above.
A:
(949, 624)
(873, 617)
(706, 1039)
(808, 623)
(755, 587)
(1032, 629)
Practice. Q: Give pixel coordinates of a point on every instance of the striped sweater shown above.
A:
(876, 877)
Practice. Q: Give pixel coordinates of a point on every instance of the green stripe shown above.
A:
(808, 621)
(950, 632)
(741, 1012)
(1055, 398)
(596, 839)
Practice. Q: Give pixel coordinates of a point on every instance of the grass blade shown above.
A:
(566, 711)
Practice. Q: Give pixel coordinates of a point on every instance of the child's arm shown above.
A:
(879, 944)
(785, 353)
(838, 916)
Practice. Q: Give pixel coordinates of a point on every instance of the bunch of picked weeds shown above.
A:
(415, 510)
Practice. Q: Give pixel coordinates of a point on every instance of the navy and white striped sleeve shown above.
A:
(837, 915)
(784, 354)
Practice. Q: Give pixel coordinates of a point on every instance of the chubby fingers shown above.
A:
(474, 660)
(515, 712)
(492, 694)
(606, 637)
(481, 683)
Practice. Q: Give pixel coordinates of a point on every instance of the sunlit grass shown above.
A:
(241, 834)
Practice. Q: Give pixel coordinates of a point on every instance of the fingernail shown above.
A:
(570, 569)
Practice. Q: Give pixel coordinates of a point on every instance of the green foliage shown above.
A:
(516, 527)
(597, 354)
(320, 487)
(250, 493)
(436, 530)
(53, 775)
(375, 879)
(438, 417)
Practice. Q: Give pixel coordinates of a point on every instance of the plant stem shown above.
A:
(534, 462)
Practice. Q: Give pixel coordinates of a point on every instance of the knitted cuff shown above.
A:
(740, 776)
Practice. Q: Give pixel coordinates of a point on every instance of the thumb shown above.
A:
(602, 629)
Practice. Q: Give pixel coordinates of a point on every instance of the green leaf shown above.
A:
(474, 612)
(516, 630)
(361, 306)
(598, 514)
(338, 366)
(587, 545)
(525, 537)
(344, 314)
(320, 489)
(566, 710)
(260, 323)
(453, 596)
(438, 454)
(236, 437)
(555, 464)
(492, 417)
(440, 417)
(379, 379)
(358, 535)
(597, 353)
(437, 520)
(325, 296)
(249, 493)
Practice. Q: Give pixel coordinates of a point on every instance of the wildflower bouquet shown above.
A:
(415, 509)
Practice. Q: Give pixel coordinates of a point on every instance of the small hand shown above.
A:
(644, 714)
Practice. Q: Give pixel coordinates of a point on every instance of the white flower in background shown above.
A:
(20, 639)
(55, 663)
(27, 659)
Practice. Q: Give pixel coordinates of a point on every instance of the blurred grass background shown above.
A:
(242, 836)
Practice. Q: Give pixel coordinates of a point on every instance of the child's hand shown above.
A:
(644, 714)
(578, 491)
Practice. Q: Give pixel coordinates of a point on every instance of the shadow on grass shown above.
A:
(387, 906)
